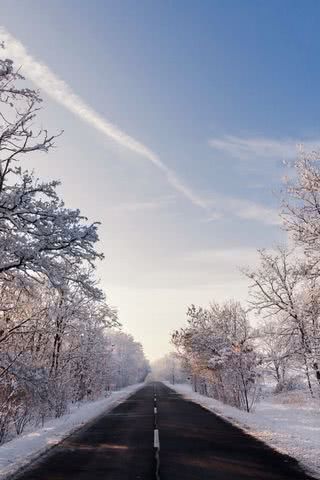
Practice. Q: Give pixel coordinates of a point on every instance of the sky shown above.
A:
(178, 119)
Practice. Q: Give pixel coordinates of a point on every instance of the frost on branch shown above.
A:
(217, 348)
(301, 205)
(288, 298)
(39, 235)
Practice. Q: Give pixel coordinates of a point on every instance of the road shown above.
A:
(157, 434)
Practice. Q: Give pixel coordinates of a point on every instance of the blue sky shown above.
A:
(215, 94)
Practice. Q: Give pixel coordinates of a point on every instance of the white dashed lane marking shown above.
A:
(156, 441)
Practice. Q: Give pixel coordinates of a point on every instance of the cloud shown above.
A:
(244, 209)
(225, 258)
(254, 211)
(246, 148)
(202, 268)
(143, 205)
(41, 75)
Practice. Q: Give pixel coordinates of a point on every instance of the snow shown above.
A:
(22, 450)
(286, 422)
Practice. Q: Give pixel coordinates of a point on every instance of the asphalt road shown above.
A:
(156, 434)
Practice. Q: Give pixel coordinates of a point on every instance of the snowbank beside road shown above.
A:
(285, 422)
(22, 450)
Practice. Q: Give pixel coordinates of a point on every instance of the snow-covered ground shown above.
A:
(22, 450)
(286, 422)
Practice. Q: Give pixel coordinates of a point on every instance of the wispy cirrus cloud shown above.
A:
(254, 211)
(223, 256)
(244, 209)
(247, 148)
(42, 76)
(45, 79)
(219, 208)
(143, 206)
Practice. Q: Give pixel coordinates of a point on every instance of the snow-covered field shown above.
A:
(286, 422)
(22, 450)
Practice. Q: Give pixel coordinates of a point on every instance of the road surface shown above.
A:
(157, 434)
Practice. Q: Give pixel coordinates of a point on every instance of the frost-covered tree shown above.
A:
(38, 234)
(217, 346)
(171, 368)
(59, 335)
(129, 364)
(278, 351)
(301, 205)
(281, 289)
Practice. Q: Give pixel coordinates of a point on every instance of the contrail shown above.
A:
(41, 75)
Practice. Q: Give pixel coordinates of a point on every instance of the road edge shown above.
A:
(13, 471)
(315, 474)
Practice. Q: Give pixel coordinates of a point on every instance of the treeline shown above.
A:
(223, 354)
(169, 368)
(57, 339)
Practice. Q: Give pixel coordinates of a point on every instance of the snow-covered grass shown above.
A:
(22, 450)
(288, 422)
